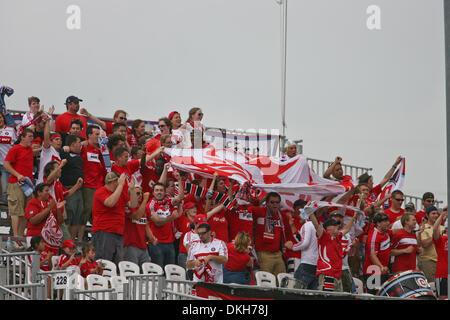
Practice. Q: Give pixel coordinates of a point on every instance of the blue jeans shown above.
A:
(306, 274)
(5, 177)
(239, 277)
(162, 254)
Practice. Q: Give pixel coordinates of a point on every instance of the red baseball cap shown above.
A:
(201, 218)
(68, 244)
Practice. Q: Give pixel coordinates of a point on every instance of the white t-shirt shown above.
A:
(190, 237)
(212, 272)
(7, 138)
(308, 244)
(47, 155)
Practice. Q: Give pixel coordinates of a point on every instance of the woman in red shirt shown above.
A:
(239, 260)
(44, 216)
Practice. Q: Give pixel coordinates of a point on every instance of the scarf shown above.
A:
(4, 90)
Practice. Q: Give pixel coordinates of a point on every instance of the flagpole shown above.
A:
(447, 91)
(283, 20)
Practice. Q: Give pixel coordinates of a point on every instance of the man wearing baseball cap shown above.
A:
(62, 122)
(427, 200)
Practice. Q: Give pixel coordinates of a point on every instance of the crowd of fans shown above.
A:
(61, 175)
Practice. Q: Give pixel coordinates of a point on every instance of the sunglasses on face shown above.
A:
(429, 200)
(274, 202)
(161, 125)
(202, 233)
(399, 200)
(122, 118)
(138, 193)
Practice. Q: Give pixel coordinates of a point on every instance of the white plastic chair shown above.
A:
(97, 282)
(283, 275)
(128, 267)
(117, 283)
(109, 269)
(76, 281)
(152, 268)
(265, 279)
(175, 272)
(359, 285)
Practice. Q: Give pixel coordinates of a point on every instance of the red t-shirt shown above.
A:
(64, 258)
(219, 225)
(268, 236)
(330, 255)
(62, 123)
(93, 167)
(419, 216)
(393, 215)
(35, 206)
(401, 240)
(236, 261)
(134, 232)
(149, 177)
(21, 159)
(129, 170)
(380, 243)
(86, 267)
(162, 209)
(182, 224)
(441, 246)
(239, 220)
(105, 218)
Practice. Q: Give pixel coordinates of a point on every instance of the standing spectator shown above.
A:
(116, 141)
(162, 211)
(331, 253)
(404, 245)
(76, 127)
(94, 171)
(19, 164)
(63, 121)
(378, 248)
(427, 200)
(308, 245)
(236, 270)
(375, 191)
(179, 136)
(335, 170)
(50, 150)
(207, 256)
(34, 103)
(7, 139)
(347, 242)
(119, 117)
(137, 231)
(395, 211)
(108, 216)
(71, 173)
(270, 234)
(194, 120)
(409, 208)
(428, 257)
(44, 215)
(292, 257)
(187, 224)
(440, 240)
(164, 128)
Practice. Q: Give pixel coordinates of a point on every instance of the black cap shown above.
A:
(431, 208)
(427, 195)
(364, 178)
(72, 99)
(330, 222)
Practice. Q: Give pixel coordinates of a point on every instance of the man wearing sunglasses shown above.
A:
(395, 211)
(207, 256)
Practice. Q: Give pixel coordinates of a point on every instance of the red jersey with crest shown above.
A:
(239, 220)
(134, 230)
(163, 209)
(331, 254)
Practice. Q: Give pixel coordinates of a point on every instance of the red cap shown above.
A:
(189, 205)
(201, 218)
(172, 114)
(54, 136)
(68, 244)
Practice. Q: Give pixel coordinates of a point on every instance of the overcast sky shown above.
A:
(366, 95)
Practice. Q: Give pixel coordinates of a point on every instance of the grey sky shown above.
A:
(365, 95)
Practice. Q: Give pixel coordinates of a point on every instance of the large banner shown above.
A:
(292, 179)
